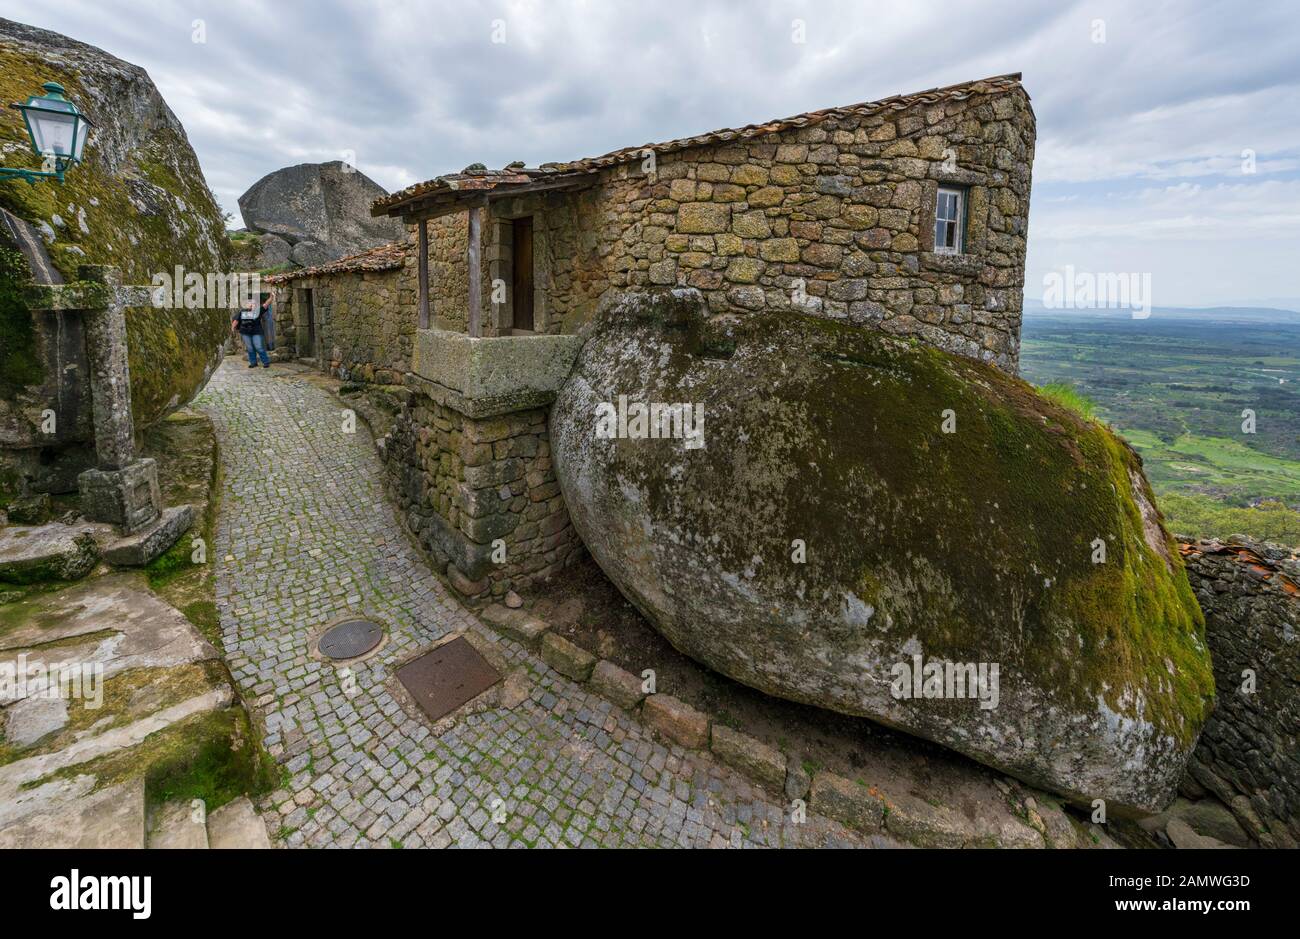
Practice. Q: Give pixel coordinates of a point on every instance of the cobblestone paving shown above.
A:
(305, 537)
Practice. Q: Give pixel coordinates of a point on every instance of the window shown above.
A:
(950, 221)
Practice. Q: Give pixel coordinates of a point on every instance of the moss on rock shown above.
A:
(974, 546)
(139, 202)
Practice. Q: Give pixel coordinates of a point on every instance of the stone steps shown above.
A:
(67, 817)
(178, 825)
(236, 825)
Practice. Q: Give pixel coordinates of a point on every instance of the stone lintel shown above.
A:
(491, 375)
(79, 295)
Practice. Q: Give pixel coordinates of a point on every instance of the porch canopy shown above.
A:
(470, 190)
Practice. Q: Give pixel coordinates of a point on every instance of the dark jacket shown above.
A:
(250, 321)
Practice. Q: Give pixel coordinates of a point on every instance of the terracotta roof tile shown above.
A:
(514, 176)
(386, 257)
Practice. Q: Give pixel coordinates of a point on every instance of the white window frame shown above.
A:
(959, 246)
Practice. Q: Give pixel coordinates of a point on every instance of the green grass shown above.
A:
(1067, 396)
(1176, 390)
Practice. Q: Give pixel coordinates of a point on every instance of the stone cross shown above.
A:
(122, 489)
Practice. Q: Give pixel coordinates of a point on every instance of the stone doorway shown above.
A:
(521, 282)
(308, 324)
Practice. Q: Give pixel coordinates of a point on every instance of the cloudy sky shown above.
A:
(1148, 114)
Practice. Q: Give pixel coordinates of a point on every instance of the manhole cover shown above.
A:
(442, 680)
(351, 639)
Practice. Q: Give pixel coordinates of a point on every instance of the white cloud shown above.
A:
(1175, 94)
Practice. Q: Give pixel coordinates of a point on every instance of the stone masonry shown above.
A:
(362, 312)
(1249, 752)
(830, 213)
(480, 494)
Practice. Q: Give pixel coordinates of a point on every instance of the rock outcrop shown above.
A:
(314, 213)
(140, 202)
(824, 539)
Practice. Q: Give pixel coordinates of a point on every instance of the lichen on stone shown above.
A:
(971, 546)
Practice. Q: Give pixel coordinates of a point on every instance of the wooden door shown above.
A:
(311, 322)
(521, 287)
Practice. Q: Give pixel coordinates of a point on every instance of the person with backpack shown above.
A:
(249, 324)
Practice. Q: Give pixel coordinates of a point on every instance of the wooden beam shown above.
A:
(423, 240)
(445, 202)
(476, 271)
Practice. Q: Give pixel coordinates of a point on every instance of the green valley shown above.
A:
(1182, 387)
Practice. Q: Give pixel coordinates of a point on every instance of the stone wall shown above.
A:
(479, 493)
(835, 219)
(364, 322)
(1249, 753)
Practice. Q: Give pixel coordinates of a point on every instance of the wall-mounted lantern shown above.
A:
(58, 132)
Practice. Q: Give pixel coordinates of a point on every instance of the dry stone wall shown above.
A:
(1249, 752)
(364, 323)
(835, 219)
(479, 494)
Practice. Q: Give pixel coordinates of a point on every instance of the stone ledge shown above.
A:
(676, 720)
(847, 802)
(750, 756)
(489, 375)
(617, 685)
(562, 655)
(518, 624)
(144, 546)
(967, 264)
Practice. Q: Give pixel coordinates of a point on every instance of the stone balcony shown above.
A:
(490, 375)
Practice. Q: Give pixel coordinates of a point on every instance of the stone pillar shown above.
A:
(122, 490)
(475, 251)
(110, 373)
(469, 458)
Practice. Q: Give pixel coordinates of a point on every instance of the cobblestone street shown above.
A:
(305, 537)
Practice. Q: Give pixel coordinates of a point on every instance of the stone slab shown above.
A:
(513, 372)
(617, 685)
(846, 801)
(48, 552)
(125, 626)
(144, 546)
(30, 719)
(927, 826)
(518, 624)
(110, 818)
(566, 658)
(237, 825)
(758, 761)
(676, 720)
(176, 827)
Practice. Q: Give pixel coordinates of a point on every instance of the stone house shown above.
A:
(907, 214)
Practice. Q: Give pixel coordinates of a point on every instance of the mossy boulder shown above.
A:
(829, 530)
(139, 202)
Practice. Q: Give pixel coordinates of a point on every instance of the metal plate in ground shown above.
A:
(442, 680)
(351, 639)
